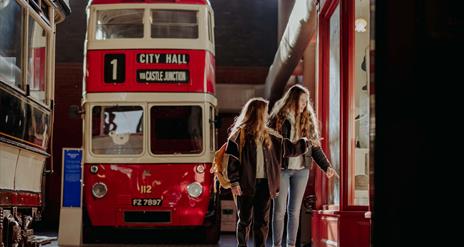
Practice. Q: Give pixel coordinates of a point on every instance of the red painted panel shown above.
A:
(354, 229)
(201, 67)
(20, 199)
(7, 198)
(325, 229)
(28, 199)
(167, 182)
(347, 229)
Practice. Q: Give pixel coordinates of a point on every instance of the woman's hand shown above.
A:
(331, 172)
(236, 191)
(307, 142)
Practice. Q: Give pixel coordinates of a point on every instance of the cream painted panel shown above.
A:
(148, 159)
(70, 234)
(29, 171)
(129, 98)
(232, 97)
(8, 158)
(148, 44)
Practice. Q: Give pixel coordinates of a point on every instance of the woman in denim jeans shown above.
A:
(255, 156)
(293, 117)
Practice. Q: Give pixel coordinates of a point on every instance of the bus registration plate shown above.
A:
(146, 202)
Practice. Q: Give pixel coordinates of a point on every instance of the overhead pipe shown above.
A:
(284, 10)
(300, 29)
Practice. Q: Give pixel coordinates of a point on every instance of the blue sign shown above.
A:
(72, 175)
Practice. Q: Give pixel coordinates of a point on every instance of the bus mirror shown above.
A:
(75, 111)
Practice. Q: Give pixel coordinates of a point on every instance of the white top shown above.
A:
(294, 163)
(260, 171)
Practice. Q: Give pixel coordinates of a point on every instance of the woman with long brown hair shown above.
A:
(293, 117)
(255, 154)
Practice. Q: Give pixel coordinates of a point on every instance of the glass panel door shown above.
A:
(359, 172)
(334, 105)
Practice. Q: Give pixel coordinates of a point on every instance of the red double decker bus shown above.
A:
(149, 134)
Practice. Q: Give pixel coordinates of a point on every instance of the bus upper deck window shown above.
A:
(119, 23)
(37, 60)
(174, 24)
(11, 28)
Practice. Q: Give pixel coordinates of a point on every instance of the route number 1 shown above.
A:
(115, 68)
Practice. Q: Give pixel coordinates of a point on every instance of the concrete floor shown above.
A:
(226, 240)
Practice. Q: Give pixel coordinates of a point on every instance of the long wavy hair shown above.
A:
(252, 120)
(305, 123)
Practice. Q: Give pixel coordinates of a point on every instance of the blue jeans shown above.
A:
(292, 184)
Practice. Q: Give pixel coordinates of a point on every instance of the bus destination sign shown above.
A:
(162, 58)
(162, 76)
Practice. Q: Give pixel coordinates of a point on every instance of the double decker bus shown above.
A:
(27, 64)
(149, 114)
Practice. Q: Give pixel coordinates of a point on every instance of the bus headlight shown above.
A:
(99, 190)
(194, 189)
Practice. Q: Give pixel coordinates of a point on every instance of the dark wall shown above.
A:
(71, 33)
(416, 183)
(67, 133)
(246, 33)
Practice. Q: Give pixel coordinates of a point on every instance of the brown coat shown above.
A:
(314, 153)
(242, 166)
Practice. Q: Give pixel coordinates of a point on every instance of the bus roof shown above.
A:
(150, 1)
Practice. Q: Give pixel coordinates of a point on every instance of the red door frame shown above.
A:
(323, 93)
(347, 100)
(347, 225)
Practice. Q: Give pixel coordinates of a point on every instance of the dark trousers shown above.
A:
(254, 208)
